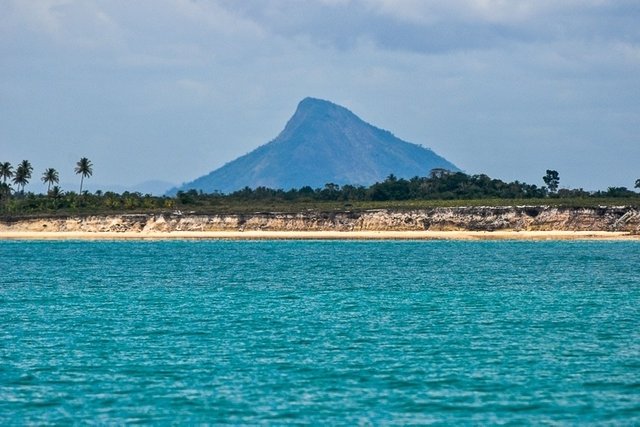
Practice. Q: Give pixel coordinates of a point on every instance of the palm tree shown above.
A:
(85, 169)
(23, 174)
(56, 192)
(6, 171)
(5, 190)
(50, 176)
(26, 165)
(21, 177)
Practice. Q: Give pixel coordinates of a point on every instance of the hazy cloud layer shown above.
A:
(171, 89)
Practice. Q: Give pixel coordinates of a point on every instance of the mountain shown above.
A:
(322, 143)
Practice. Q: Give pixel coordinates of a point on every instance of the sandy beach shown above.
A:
(321, 235)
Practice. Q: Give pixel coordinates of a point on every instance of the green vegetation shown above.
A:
(50, 176)
(85, 169)
(22, 174)
(440, 189)
(6, 171)
(552, 179)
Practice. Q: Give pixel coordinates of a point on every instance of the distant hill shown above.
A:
(323, 143)
(153, 187)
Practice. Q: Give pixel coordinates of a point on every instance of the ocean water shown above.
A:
(320, 332)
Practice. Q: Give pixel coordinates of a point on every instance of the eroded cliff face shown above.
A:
(436, 219)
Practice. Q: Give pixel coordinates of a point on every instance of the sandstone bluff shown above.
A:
(522, 218)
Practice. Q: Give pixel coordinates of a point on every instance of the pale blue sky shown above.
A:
(172, 89)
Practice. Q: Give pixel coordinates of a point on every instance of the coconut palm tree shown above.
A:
(5, 190)
(85, 169)
(6, 171)
(50, 176)
(21, 177)
(26, 165)
(56, 192)
(22, 174)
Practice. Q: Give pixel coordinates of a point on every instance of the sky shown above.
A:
(172, 89)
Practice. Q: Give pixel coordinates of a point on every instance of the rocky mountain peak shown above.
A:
(323, 143)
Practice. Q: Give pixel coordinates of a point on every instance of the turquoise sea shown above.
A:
(319, 332)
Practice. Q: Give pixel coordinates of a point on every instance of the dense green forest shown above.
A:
(440, 188)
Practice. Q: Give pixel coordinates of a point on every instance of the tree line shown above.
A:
(438, 185)
(22, 174)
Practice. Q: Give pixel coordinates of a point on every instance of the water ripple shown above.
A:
(319, 332)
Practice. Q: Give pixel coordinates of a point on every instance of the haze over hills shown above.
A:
(153, 187)
(322, 143)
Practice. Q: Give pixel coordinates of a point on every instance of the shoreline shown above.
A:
(319, 235)
(468, 223)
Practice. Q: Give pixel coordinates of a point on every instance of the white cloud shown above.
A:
(492, 11)
(630, 52)
(483, 82)
(37, 15)
(216, 18)
(67, 23)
